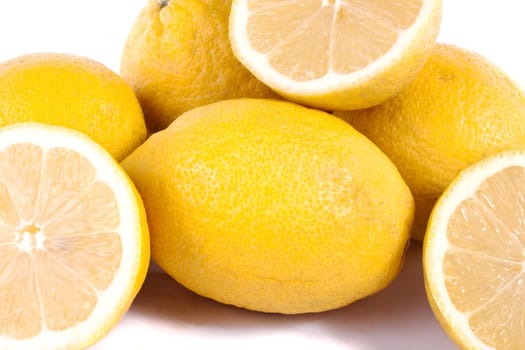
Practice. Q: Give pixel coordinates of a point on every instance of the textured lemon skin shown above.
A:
(460, 109)
(75, 92)
(272, 206)
(366, 91)
(178, 57)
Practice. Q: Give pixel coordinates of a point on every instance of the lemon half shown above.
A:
(334, 54)
(473, 255)
(74, 245)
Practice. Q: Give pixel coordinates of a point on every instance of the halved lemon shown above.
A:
(74, 245)
(334, 54)
(474, 255)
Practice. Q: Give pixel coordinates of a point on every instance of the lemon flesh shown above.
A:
(474, 255)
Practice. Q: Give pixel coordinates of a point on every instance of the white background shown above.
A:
(165, 315)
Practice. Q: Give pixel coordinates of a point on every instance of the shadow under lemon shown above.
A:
(398, 317)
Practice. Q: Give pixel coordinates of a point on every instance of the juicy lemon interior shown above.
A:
(327, 36)
(59, 246)
(485, 262)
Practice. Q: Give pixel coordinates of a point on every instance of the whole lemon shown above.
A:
(75, 92)
(459, 109)
(178, 56)
(271, 206)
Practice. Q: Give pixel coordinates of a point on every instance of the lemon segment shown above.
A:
(342, 54)
(74, 245)
(474, 260)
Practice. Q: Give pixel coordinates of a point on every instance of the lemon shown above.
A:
(334, 54)
(74, 246)
(459, 109)
(177, 56)
(74, 92)
(272, 206)
(473, 254)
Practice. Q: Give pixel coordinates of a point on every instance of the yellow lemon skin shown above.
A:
(74, 92)
(460, 109)
(178, 56)
(271, 206)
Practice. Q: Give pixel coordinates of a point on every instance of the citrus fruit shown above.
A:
(74, 246)
(271, 206)
(177, 56)
(459, 109)
(74, 92)
(334, 54)
(473, 254)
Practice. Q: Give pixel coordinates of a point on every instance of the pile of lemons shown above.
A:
(273, 155)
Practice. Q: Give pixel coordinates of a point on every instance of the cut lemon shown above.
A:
(474, 255)
(334, 54)
(74, 248)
